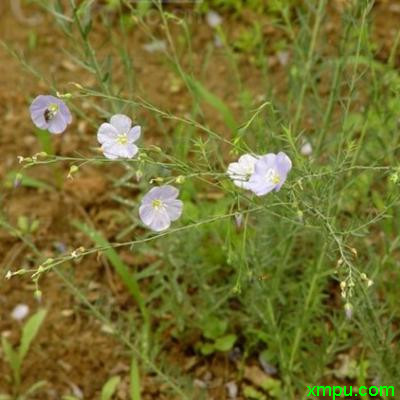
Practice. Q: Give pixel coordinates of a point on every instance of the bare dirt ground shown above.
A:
(73, 353)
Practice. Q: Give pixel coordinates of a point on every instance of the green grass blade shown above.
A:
(29, 332)
(135, 380)
(11, 356)
(26, 181)
(110, 387)
(120, 267)
(35, 387)
(215, 102)
(44, 139)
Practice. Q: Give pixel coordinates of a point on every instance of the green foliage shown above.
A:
(135, 381)
(123, 271)
(214, 330)
(109, 388)
(15, 357)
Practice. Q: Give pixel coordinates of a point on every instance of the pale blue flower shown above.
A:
(159, 207)
(270, 173)
(117, 137)
(50, 113)
(242, 170)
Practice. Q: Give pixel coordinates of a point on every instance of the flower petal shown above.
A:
(248, 160)
(161, 221)
(153, 194)
(146, 213)
(131, 150)
(40, 103)
(157, 220)
(174, 209)
(38, 119)
(121, 122)
(111, 150)
(57, 124)
(283, 165)
(115, 150)
(240, 171)
(168, 192)
(259, 185)
(134, 134)
(265, 163)
(64, 110)
(106, 133)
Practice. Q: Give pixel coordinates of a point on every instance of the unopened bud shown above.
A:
(180, 179)
(38, 295)
(72, 170)
(17, 180)
(139, 175)
(238, 219)
(64, 96)
(157, 180)
(156, 148)
(363, 276)
(348, 309)
(78, 85)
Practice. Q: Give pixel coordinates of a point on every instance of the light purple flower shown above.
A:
(117, 138)
(213, 19)
(159, 207)
(51, 113)
(270, 173)
(241, 171)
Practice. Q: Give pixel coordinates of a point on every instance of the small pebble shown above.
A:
(200, 384)
(20, 312)
(306, 149)
(232, 390)
(283, 57)
(155, 46)
(266, 366)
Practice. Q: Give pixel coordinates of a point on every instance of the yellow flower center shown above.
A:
(273, 177)
(157, 204)
(53, 108)
(122, 138)
(276, 179)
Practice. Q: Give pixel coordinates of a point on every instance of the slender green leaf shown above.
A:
(10, 355)
(44, 138)
(35, 387)
(29, 332)
(135, 380)
(110, 387)
(120, 267)
(215, 102)
(225, 343)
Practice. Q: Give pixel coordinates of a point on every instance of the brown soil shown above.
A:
(73, 352)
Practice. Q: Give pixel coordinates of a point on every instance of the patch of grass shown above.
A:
(303, 276)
